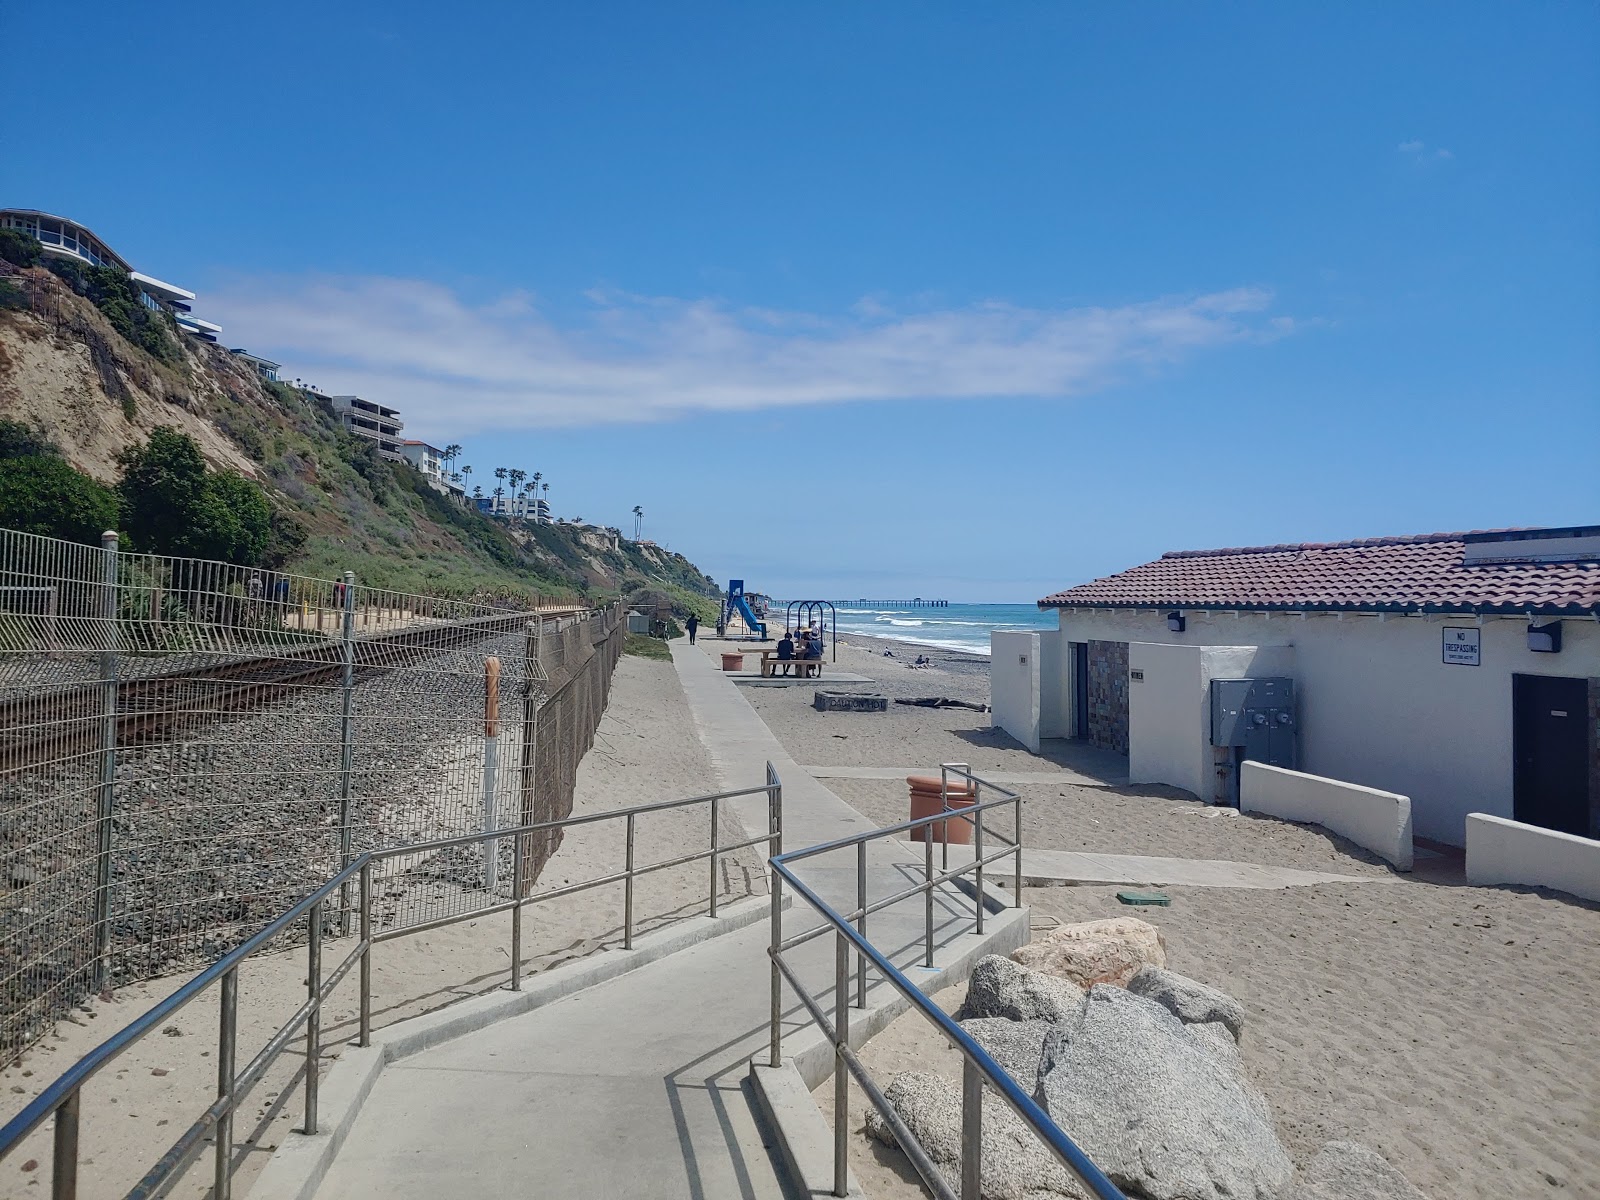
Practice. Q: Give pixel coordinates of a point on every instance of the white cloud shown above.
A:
(504, 363)
(1420, 150)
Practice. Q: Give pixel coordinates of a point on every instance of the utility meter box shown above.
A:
(1256, 716)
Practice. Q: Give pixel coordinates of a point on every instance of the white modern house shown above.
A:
(524, 508)
(59, 235)
(378, 423)
(264, 367)
(1460, 670)
(435, 469)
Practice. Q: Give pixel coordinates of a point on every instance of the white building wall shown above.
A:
(1377, 704)
(1014, 685)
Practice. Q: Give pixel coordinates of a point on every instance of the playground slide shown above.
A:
(737, 603)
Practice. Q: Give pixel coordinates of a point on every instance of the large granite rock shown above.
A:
(1350, 1171)
(999, 987)
(1216, 1039)
(1192, 1002)
(1015, 1045)
(1091, 952)
(1015, 1164)
(1160, 1114)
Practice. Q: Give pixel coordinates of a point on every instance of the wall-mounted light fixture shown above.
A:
(1546, 638)
(1175, 622)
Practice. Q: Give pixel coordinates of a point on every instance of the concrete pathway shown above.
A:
(636, 1087)
(1047, 868)
(1075, 778)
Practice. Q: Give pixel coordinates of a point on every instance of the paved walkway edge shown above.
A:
(299, 1165)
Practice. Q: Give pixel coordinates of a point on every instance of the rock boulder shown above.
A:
(999, 987)
(1192, 1002)
(1016, 1166)
(1091, 952)
(1159, 1113)
(1015, 1045)
(1350, 1171)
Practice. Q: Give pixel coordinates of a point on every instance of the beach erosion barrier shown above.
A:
(1374, 820)
(1500, 850)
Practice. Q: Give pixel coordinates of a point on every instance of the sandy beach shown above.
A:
(1447, 1027)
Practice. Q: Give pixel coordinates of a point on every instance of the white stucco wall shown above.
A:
(1052, 677)
(1377, 820)
(1169, 707)
(1502, 851)
(1377, 705)
(1014, 685)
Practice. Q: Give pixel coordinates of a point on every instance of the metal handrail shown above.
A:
(62, 1097)
(979, 1069)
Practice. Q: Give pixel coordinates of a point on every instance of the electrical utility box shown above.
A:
(1256, 719)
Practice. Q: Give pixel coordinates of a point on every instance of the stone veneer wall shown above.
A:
(1108, 695)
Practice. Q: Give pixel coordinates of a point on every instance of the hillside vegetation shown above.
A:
(87, 386)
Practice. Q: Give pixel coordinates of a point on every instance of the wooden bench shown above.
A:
(805, 667)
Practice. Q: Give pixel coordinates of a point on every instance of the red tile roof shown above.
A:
(1397, 574)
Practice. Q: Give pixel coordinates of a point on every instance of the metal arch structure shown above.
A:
(810, 609)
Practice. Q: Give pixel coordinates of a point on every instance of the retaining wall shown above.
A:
(1378, 821)
(1503, 851)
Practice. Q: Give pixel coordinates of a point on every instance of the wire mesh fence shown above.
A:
(187, 748)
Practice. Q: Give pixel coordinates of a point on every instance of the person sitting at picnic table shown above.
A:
(813, 645)
(786, 650)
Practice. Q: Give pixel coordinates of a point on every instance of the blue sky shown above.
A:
(902, 298)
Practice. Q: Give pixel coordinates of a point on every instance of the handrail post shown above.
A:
(841, 1075)
(944, 825)
(927, 895)
(366, 953)
(64, 1160)
(516, 916)
(347, 750)
(227, 1043)
(977, 852)
(1017, 808)
(861, 922)
(106, 795)
(775, 850)
(971, 1130)
(714, 843)
(627, 892)
(314, 1017)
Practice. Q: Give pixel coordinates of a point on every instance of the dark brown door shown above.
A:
(1550, 749)
(1080, 689)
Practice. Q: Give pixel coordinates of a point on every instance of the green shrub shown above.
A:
(19, 249)
(44, 495)
(11, 293)
(172, 505)
(23, 441)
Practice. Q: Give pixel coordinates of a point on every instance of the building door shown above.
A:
(1080, 689)
(1550, 752)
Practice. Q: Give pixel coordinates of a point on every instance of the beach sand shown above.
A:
(645, 749)
(1450, 1028)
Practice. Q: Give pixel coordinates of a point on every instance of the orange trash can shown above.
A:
(732, 662)
(928, 804)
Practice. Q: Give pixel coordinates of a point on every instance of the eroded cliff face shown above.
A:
(64, 370)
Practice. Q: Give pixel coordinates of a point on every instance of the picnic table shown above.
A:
(806, 667)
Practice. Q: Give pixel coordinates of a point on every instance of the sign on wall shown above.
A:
(1461, 645)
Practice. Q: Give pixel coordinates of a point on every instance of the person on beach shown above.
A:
(694, 627)
(786, 650)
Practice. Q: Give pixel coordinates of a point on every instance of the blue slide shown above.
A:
(737, 604)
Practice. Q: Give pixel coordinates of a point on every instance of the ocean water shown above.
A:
(958, 627)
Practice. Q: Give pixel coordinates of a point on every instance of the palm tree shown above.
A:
(466, 469)
(500, 473)
(638, 522)
(451, 453)
(477, 492)
(516, 478)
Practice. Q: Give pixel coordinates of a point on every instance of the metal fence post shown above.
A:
(861, 922)
(841, 1074)
(527, 780)
(774, 850)
(314, 1017)
(927, 894)
(516, 912)
(227, 1042)
(105, 799)
(977, 854)
(346, 742)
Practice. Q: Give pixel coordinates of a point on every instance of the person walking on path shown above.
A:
(694, 626)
